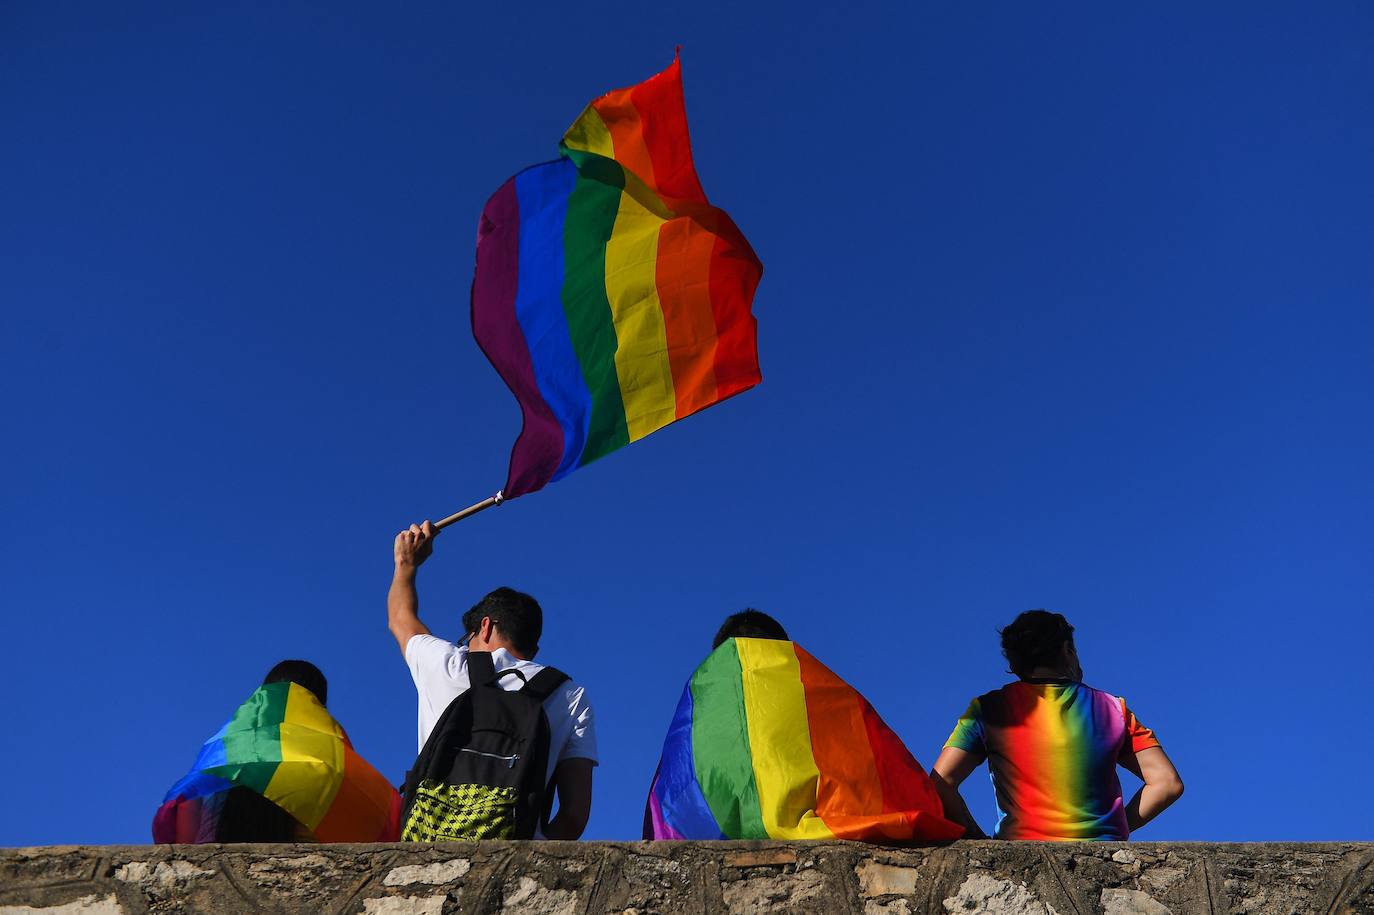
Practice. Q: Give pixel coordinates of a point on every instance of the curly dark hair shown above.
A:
(1035, 639)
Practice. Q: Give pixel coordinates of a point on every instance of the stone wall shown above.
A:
(637, 878)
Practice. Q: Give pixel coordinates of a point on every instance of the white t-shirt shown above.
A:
(440, 671)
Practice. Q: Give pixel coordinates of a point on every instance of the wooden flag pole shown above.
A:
(470, 511)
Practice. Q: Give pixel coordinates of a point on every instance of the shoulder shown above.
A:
(575, 726)
(995, 697)
(569, 691)
(1101, 695)
(434, 654)
(426, 644)
(1005, 704)
(572, 690)
(572, 697)
(1103, 699)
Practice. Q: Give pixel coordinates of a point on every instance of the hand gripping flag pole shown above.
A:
(471, 510)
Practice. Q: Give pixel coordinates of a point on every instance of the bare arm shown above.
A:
(573, 778)
(411, 548)
(1162, 785)
(950, 770)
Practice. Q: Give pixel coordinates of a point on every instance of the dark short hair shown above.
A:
(748, 624)
(1035, 639)
(516, 614)
(301, 673)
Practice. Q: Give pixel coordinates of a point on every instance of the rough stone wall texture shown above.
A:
(638, 878)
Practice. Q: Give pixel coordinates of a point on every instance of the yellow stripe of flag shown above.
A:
(643, 370)
(780, 740)
(589, 134)
(312, 756)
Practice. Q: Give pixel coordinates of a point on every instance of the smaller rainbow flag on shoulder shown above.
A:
(283, 745)
(609, 294)
(767, 743)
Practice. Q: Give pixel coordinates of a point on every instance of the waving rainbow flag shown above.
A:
(609, 294)
(283, 745)
(769, 744)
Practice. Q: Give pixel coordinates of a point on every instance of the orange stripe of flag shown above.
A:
(362, 809)
(839, 741)
(621, 117)
(684, 293)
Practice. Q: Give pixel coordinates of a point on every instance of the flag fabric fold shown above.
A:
(608, 293)
(767, 743)
(283, 745)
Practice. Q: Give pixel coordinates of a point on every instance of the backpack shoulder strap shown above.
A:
(480, 669)
(542, 684)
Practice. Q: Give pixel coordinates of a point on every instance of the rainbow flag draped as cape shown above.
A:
(609, 294)
(769, 744)
(283, 745)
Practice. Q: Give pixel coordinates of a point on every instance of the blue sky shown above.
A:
(1062, 306)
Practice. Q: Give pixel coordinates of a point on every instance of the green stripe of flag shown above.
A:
(592, 210)
(252, 741)
(720, 745)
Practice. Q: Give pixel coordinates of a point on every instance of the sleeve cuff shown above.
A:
(1143, 743)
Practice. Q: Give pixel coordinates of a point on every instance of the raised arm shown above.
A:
(574, 780)
(411, 549)
(950, 770)
(1162, 785)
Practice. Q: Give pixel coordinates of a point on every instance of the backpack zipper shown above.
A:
(508, 760)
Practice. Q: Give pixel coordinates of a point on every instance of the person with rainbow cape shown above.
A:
(281, 769)
(767, 743)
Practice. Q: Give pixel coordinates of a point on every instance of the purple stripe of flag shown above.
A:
(494, 325)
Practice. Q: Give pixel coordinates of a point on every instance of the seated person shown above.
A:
(503, 630)
(281, 770)
(1053, 745)
(769, 744)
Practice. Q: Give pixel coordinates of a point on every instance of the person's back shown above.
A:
(244, 814)
(768, 743)
(280, 770)
(506, 624)
(441, 672)
(1052, 745)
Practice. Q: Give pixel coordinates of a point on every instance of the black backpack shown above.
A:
(481, 772)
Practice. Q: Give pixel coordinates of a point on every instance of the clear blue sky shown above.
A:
(1064, 307)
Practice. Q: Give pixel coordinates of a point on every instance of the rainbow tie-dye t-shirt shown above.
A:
(1052, 748)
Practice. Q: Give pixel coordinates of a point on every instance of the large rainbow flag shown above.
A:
(609, 294)
(285, 746)
(767, 743)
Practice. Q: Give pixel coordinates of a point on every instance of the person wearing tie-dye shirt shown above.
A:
(1052, 745)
